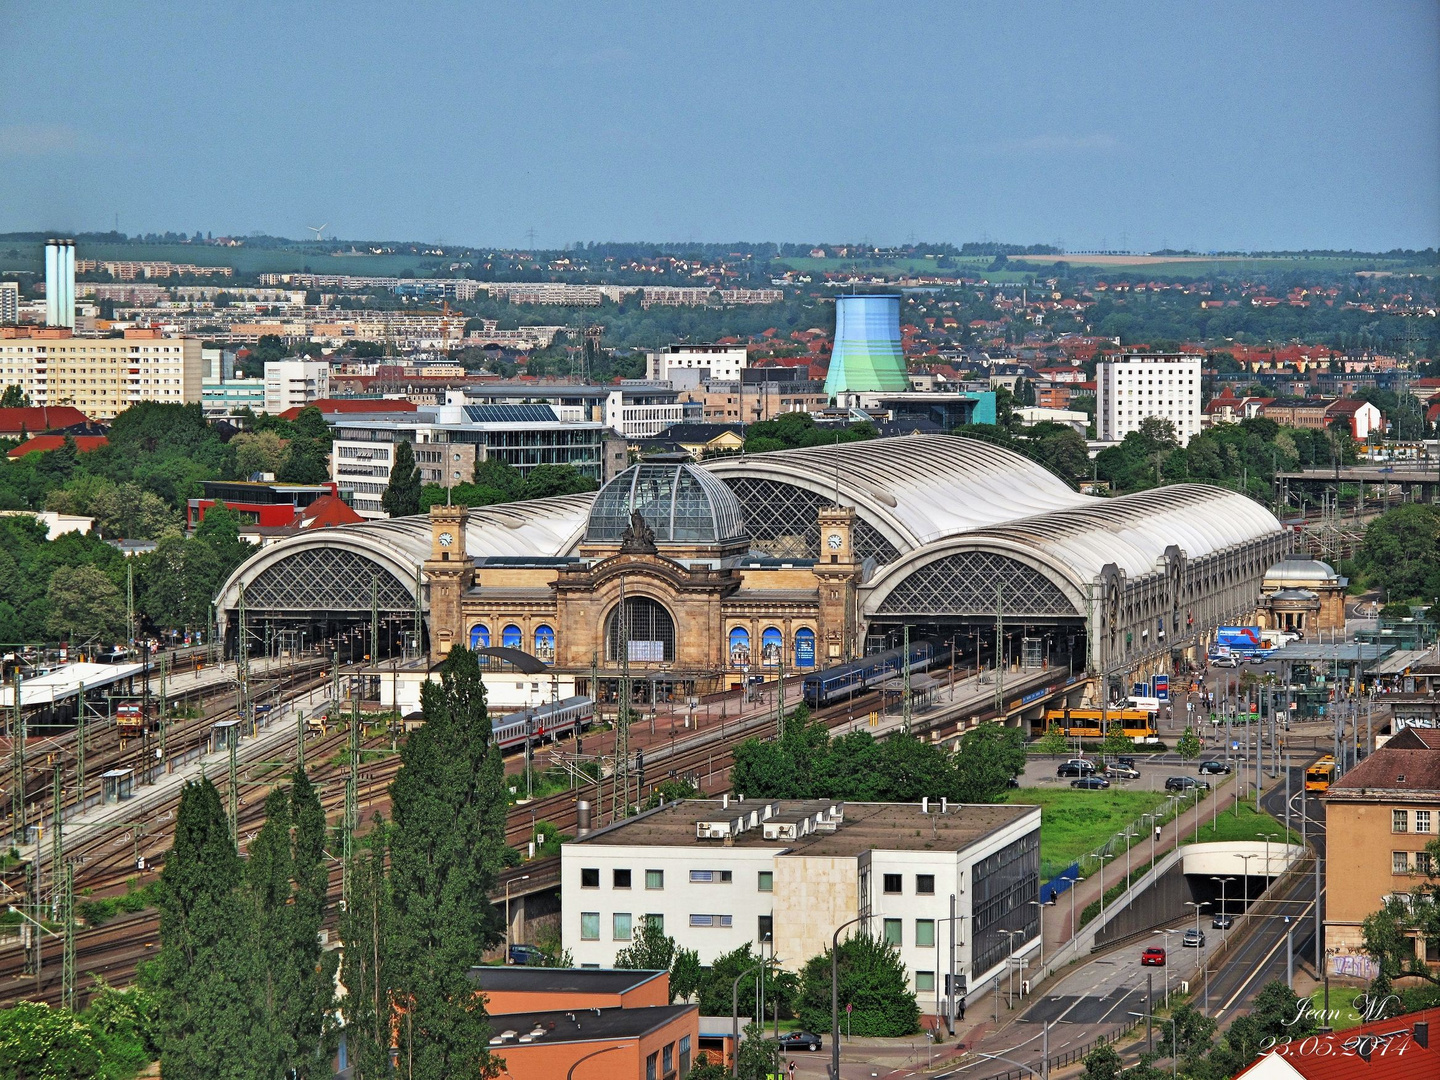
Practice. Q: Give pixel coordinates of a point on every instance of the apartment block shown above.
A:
(289, 383)
(724, 362)
(947, 885)
(1135, 386)
(102, 377)
(9, 302)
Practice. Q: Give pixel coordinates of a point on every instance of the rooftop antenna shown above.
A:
(317, 230)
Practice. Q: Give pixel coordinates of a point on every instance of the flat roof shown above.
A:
(583, 1025)
(865, 826)
(516, 979)
(1400, 661)
(1330, 651)
(65, 682)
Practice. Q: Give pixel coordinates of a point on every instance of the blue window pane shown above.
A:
(804, 648)
(510, 637)
(480, 637)
(545, 644)
(739, 646)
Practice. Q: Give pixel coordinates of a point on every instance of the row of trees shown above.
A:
(242, 985)
(809, 763)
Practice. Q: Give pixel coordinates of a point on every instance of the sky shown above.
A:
(1215, 126)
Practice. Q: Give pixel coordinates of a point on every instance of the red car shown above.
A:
(1153, 957)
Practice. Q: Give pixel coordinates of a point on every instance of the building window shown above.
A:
(621, 879)
(893, 933)
(510, 637)
(764, 927)
(657, 920)
(545, 644)
(804, 648)
(1422, 821)
(667, 1060)
(765, 881)
(647, 629)
(1399, 862)
(479, 636)
(739, 647)
(892, 883)
(620, 926)
(924, 980)
(590, 877)
(711, 920)
(925, 884)
(711, 877)
(654, 879)
(589, 926)
(684, 1055)
(1399, 820)
(925, 932)
(650, 1064)
(772, 646)
(1422, 863)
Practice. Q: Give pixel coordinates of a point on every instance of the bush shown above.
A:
(872, 978)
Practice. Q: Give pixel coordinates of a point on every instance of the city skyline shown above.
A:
(1122, 128)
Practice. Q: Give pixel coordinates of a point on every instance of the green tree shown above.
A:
(14, 397)
(205, 975)
(987, 756)
(705, 1069)
(759, 1055)
(1053, 742)
(872, 978)
(1190, 1030)
(1390, 933)
(85, 605)
(1116, 742)
(1276, 1013)
(402, 494)
(686, 975)
(1103, 1063)
(650, 949)
(47, 1044)
(1188, 745)
(365, 928)
(220, 528)
(305, 462)
(545, 481)
(449, 803)
(258, 452)
(1401, 553)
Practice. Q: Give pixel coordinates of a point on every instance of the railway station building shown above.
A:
(688, 578)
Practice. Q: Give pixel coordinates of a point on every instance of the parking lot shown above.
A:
(1154, 770)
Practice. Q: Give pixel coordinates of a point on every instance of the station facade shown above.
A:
(687, 578)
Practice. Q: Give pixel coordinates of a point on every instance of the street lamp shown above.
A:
(735, 1016)
(1128, 836)
(1166, 934)
(1103, 857)
(835, 994)
(1009, 974)
(1074, 887)
(1200, 945)
(1268, 837)
(1246, 860)
(1222, 881)
(1042, 905)
(508, 883)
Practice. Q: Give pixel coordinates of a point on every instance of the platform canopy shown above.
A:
(65, 683)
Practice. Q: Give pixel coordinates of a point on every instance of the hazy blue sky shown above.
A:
(1213, 125)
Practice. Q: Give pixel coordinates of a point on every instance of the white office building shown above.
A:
(784, 875)
(291, 383)
(723, 362)
(1139, 385)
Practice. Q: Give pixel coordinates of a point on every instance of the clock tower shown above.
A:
(837, 574)
(450, 574)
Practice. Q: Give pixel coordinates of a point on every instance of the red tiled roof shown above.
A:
(1391, 768)
(42, 443)
(1391, 1050)
(354, 405)
(325, 512)
(40, 418)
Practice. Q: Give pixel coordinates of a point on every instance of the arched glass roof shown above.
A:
(682, 504)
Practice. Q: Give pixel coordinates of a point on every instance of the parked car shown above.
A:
(1213, 767)
(1091, 783)
(1126, 760)
(1075, 767)
(1184, 783)
(1013, 782)
(1153, 957)
(1222, 921)
(1224, 661)
(1193, 939)
(799, 1040)
(526, 954)
(1122, 772)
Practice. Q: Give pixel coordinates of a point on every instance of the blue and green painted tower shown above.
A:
(867, 352)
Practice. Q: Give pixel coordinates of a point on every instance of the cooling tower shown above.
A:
(867, 352)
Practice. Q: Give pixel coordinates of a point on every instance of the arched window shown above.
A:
(647, 628)
(479, 636)
(772, 646)
(739, 646)
(804, 648)
(510, 637)
(545, 644)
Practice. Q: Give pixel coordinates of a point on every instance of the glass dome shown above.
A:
(682, 504)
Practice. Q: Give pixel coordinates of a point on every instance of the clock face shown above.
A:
(446, 539)
(835, 540)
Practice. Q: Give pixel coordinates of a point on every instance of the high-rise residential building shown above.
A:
(1134, 386)
(9, 302)
(724, 362)
(102, 377)
(60, 283)
(867, 353)
(289, 383)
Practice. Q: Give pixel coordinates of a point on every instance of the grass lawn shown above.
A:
(1343, 1013)
(1247, 825)
(1074, 822)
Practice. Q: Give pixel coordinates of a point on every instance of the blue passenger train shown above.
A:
(844, 681)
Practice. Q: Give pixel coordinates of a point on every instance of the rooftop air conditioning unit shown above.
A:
(712, 830)
(780, 830)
